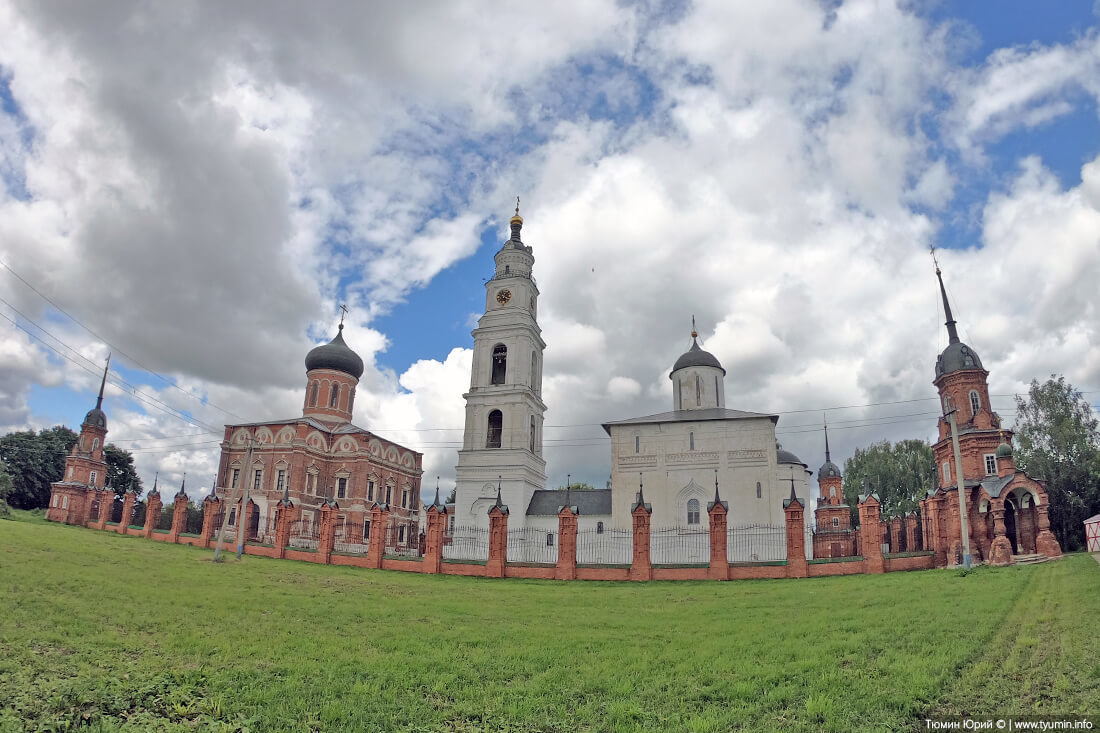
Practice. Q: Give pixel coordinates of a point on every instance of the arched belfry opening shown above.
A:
(496, 427)
(500, 364)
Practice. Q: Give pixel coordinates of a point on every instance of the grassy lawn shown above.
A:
(125, 633)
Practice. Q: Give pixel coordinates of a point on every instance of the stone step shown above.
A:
(1029, 559)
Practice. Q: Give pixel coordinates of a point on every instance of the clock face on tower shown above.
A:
(504, 296)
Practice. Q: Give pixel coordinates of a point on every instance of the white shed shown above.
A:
(1092, 533)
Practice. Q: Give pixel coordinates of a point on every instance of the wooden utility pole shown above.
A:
(233, 501)
(963, 524)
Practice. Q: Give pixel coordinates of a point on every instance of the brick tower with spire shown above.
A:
(75, 497)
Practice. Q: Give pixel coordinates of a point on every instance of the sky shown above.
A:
(196, 187)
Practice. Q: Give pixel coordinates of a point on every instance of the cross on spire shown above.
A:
(952, 331)
(517, 205)
(102, 384)
(343, 312)
(694, 333)
(826, 422)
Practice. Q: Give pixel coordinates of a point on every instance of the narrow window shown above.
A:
(680, 398)
(256, 480)
(691, 441)
(370, 491)
(496, 426)
(334, 395)
(693, 511)
(451, 525)
(991, 464)
(95, 444)
(549, 539)
(599, 527)
(366, 530)
(946, 472)
(534, 370)
(500, 364)
(946, 404)
(70, 473)
(637, 444)
(698, 391)
(341, 488)
(405, 499)
(716, 392)
(389, 494)
(313, 394)
(54, 502)
(65, 501)
(759, 490)
(351, 399)
(975, 402)
(401, 533)
(232, 517)
(280, 478)
(836, 521)
(92, 479)
(236, 476)
(532, 433)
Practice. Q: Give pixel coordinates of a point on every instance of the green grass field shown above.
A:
(125, 633)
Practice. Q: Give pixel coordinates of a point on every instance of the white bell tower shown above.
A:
(502, 443)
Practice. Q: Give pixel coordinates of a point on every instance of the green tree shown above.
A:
(35, 460)
(900, 474)
(1058, 442)
(120, 469)
(5, 491)
(578, 486)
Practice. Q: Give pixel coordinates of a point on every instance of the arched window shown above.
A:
(637, 444)
(716, 392)
(95, 444)
(334, 395)
(698, 391)
(946, 404)
(946, 472)
(693, 511)
(691, 441)
(599, 527)
(836, 521)
(313, 394)
(975, 402)
(532, 433)
(496, 426)
(500, 364)
(759, 490)
(351, 399)
(535, 371)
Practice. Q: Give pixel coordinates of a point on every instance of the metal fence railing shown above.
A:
(756, 543)
(609, 547)
(304, 534)
(116, 512)
(467, 543)
(829, 543)
(679, 545)
(352, 537)
(533, 545)
(194, 521)
(402, 539)
(164, 521)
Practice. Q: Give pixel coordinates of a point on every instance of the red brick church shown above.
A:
(1006, 509)
(321, 458)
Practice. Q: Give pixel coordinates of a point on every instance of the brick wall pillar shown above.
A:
(1045, 542)
(933, 538)
(153, 507)
(719, 564)
(871, 535)
(797, 567)
(285, 513)
(567, 544)
(1000, 551)
(244, 519)
(86, 508)
(209, 513)
(911, 532)
(498, 540)
(379, 519)
(179, 517)
(1028, 528)
(436, 518)
(640, 566)
(127, 512)
(328, 531)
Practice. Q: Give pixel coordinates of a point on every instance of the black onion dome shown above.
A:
(784, 457)
(956, 357)
(96, 418)
(696, 357)
(335, 355)
(828, 470)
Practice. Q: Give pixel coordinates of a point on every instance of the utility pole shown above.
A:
(963, 524)
(233, 500)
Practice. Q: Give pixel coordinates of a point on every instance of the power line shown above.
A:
(131, 359)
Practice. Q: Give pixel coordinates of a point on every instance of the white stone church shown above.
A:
(675, 457)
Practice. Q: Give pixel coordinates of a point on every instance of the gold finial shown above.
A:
(517, 219)
(694, 333)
